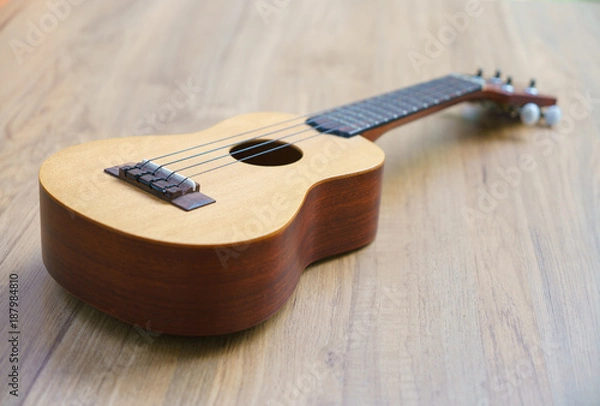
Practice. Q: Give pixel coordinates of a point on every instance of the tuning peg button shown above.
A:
(497, 77)
(530, 114)
(508, 87)
(531, 89)
(552, 115)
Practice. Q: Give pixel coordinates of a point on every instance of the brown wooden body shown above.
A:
(202, 289)
(184, 290)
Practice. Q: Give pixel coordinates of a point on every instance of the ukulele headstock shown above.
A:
(524, 102)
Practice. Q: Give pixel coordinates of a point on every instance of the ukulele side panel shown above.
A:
(205, 290)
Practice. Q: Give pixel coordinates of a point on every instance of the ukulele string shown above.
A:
(228, 145)
(259, 154)
(266, 142)
(253, 147)
(272, 141)
(226, 138)
(247, 149)
(240, 150)
(316, 114)
(250, 139)
(321, 112)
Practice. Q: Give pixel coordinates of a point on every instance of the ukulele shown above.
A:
(208, 233)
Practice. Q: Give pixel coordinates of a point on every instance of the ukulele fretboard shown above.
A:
(355, 118)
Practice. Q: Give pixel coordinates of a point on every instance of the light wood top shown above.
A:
(482, 286)
(252, 201)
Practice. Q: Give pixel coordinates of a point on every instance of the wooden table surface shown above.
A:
(482, 286)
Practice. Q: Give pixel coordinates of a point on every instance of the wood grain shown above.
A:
(191, 280)
(253, 201)
(482, 286)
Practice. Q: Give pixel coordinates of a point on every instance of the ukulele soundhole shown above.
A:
(266, 153)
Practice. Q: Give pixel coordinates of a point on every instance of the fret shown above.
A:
(334, 120)
(373, 104)
(401, 107)
(358, 117)
(343, 118)
(364, 119)
(350, 117)
(363, 109)
(347, 122)
(360, 110)
(393, 102)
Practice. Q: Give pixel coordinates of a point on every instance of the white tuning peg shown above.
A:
(552, 115)
(530, 114)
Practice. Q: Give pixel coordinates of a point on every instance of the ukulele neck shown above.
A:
(376, 115)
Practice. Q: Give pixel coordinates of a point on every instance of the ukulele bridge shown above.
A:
(162, 183)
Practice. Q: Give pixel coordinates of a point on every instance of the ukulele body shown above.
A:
(219, 268)
(275, 195)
